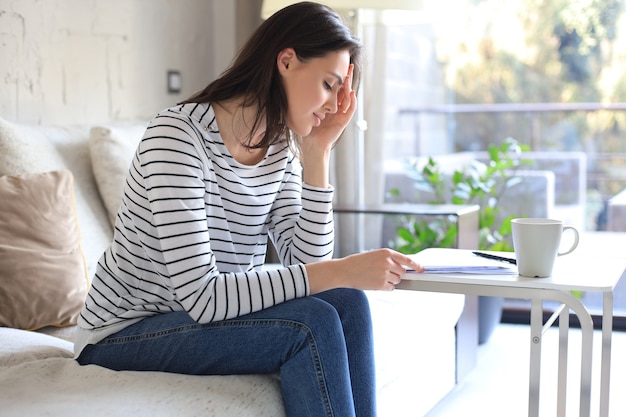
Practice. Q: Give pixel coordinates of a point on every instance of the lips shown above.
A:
(318, 118)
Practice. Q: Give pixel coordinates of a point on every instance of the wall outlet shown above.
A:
(174, 82)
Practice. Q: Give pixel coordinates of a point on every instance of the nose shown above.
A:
(331, 105)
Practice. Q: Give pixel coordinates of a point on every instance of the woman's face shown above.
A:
(311, 87)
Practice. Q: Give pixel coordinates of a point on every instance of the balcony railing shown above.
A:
(602, 137)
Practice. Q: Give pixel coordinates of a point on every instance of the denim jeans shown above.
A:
(321, 345)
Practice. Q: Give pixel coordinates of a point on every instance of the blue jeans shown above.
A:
(321, 345)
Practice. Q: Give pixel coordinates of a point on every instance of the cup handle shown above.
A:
(571, 249)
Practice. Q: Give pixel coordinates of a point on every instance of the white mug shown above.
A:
(536, 243)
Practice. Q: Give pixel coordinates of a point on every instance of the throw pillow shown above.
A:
(112, 150)
(29, 148)
(43, 273)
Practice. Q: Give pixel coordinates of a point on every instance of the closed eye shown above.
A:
(328, 86)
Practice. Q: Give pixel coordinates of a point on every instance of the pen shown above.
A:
(497, 258)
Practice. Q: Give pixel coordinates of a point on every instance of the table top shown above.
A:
(571, 272)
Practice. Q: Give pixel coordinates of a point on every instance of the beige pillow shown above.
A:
(43, 273)
(112, 149)
(27, 148)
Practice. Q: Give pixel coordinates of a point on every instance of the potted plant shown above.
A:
(482, 183)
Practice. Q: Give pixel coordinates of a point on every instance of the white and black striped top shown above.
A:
(192, 229)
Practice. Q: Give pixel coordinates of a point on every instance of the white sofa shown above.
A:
(414, 332)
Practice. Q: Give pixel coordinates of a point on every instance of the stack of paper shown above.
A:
(455, 261)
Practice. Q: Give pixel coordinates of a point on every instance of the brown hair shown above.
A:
(312, 30)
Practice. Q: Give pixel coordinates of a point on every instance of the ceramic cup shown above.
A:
(537, 243)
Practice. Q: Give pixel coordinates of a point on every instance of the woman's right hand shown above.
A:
(380, 269)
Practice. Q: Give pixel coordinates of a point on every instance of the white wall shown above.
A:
(85, 61)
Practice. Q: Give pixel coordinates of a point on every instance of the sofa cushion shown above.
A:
(66, 333)
(20, 346)
(43, 275)
(28, 148)
(39, 378)
(112, 149)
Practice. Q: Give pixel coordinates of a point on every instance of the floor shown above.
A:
(498, 386)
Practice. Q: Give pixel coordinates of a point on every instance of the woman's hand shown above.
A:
(334, 124)
(316, 147)
(380, 269)
(329, 131)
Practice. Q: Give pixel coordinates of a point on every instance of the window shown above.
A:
(463, 75)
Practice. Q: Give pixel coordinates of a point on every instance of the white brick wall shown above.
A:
(83, 61)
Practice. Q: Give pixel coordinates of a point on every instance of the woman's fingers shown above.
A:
(404, 262)
(387, 267)
(345, 96)
(349, 106)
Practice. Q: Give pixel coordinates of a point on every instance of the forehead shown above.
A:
(334, 62)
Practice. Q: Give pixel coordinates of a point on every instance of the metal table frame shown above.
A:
(538, 291)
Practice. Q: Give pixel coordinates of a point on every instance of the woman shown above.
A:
(181, 289)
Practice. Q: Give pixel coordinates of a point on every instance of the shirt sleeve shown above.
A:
(301, 225)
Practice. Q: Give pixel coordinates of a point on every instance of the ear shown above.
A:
(285, 58)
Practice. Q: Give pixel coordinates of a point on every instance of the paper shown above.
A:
(460, 261)
(467, 269)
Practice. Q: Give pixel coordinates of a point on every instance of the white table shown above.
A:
(571, 273)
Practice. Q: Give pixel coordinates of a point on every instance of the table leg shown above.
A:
(536, 330)
(537, 295)
(586, 326)
(563, 351)
(607, 333)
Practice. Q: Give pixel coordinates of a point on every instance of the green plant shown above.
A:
(478, 183)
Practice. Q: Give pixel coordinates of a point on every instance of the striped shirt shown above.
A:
(191, 232)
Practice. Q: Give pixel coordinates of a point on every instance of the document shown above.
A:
(460, 261)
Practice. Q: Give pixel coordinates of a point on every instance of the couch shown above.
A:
(59, 189)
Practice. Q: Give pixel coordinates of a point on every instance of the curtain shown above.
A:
(355, 233)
